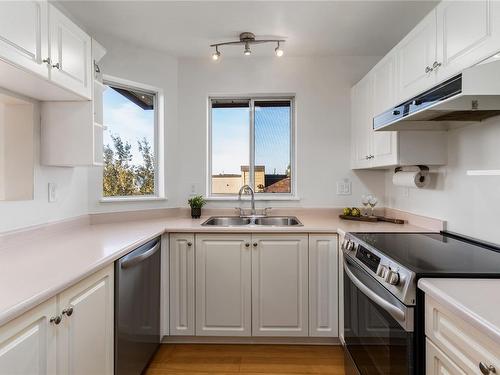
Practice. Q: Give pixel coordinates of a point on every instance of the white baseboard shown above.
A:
(251, 340)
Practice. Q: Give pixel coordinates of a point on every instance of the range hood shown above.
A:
(469, 97)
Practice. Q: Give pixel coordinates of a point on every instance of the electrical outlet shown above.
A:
(344, 187)
(52, 192)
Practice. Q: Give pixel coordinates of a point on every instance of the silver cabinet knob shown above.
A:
(436, 65)
(367, 157)
(190, 244)
(255, 244)
(487, 369)
(68, 311)
(55, 319)
(392, 277)
(57, 66)
(46, 61)
(247, 245)
(428, 69)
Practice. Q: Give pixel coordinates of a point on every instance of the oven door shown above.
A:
(378, 328)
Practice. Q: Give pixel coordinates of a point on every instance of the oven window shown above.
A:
(376, 342)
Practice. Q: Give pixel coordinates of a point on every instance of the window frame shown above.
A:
(159, 141)
(252, 98)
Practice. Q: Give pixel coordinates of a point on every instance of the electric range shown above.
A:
(384, 329)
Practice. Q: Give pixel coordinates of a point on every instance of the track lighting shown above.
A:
(216, 54)
(278, 51)
(247, 39)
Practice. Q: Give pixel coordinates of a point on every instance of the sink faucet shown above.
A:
(248, 188)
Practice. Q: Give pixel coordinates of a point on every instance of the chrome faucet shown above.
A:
(248, 188)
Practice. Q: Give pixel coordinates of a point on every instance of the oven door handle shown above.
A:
(396, 312)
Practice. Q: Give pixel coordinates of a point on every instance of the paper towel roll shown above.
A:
(417, 179)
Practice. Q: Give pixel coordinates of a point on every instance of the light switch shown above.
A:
(52, 192)
(344, 187)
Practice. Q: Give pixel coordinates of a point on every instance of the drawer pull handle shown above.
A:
(56, 319)
(487, 369)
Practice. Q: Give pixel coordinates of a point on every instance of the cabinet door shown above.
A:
(323, 286)
(468, 32)
(182, 299)
(280, 285)
(70, 54)
(23, 34)
(223, 285)
(416, 52)
(438, 363)
(85, 335)
(384, 144)
(362, 117)
(27, 344)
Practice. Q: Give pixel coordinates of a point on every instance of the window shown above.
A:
(251, 143)
(130, 141)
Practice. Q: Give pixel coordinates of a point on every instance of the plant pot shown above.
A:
(195, 212)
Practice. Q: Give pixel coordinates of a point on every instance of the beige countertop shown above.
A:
(37, 264)
(474, 300)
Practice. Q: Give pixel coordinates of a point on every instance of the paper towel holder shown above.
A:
(412, 168)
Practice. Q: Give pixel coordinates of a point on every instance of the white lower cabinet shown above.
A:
(182, 300)
(85, 334)
(27, 344)
(280, 285)
(223, 287)
(438, 363)
(323, 286)
(71, 333)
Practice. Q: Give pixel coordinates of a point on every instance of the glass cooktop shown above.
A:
(437, 253)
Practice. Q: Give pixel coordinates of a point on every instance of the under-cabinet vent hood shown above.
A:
(469, 97)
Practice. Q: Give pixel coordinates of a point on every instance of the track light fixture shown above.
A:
(247, 39)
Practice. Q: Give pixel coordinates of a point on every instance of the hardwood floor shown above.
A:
(177, 359)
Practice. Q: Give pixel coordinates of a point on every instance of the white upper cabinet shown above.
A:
(416, 54)
(70, 54)
(362, 113)
(23, 35)
(223, 285)
(467, 32)
(28, 343)
(280, 285)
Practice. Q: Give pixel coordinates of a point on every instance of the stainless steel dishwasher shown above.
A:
(137, 308)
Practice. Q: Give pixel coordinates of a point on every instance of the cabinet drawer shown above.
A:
(438, 363)
(460, 341)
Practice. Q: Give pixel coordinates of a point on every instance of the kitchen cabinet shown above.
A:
(323, 285)
(456, 344)
(72, 332)
(416, 54)
(24, 35)
(182, 284)
(279, 285)
(70, 54)
(223, 285)
(28, 343)
(361, 122)
(85, 334)
(467, 32)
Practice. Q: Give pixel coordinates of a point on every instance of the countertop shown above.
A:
(36, 265)
(470, 299)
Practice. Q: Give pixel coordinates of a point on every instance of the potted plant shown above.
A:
(196, 203)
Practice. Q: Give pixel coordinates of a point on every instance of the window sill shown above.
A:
(257, 198)
(131, 199)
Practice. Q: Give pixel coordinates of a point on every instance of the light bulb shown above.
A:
(247, 51)
(215, 56)
(278, 51)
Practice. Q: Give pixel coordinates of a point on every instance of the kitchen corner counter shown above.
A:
(35, 265)
(473, 300)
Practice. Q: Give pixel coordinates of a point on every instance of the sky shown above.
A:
(131, 122)
(231, 134)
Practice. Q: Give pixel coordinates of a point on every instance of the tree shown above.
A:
(145, 173)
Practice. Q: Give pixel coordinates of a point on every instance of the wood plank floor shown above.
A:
(201, 359)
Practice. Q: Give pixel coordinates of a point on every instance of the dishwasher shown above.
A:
(137, 308)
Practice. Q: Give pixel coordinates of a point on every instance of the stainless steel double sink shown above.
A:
(237, 221)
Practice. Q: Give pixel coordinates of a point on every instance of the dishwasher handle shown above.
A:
(139, 258)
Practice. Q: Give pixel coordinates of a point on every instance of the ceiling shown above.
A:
(311, 28)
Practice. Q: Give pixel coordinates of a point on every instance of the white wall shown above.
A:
(152, 68)
(322, 89)
(470, 205)
(71, 190)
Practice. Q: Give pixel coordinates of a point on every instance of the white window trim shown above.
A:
(159, 143)
(293, 195)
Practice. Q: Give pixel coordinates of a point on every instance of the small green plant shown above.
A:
(197, 201)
